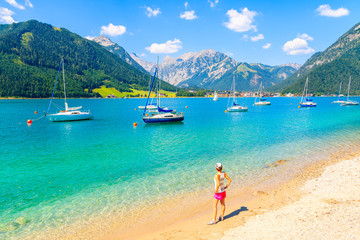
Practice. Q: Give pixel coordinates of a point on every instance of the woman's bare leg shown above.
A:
(215, 202)
(223, 208)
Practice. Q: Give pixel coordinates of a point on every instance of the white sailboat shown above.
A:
(339, 96)
(262, 101)
(349, 102)
(70, 113)
(234, 107)
(215, 96)
(305, 101)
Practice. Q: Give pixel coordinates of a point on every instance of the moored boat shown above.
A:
(160, 115)
(234, 107)
(305, 101)
(70, 113)
(262, 101)
(349, 102)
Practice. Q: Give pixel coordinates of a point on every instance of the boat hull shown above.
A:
(262, 103)
(237, 109)
(349, 103)
(163, 118)
(149, 107)
(59, 117)
(307, 104)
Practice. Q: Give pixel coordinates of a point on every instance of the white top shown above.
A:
(222, 183)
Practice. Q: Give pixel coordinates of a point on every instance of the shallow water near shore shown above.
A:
(55, 174)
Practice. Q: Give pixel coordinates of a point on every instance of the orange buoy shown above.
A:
(186, 106)
(35, 112)
(29, 121)
(226, 111)
(147, 115)
(134, 124)
(135, 109)
(298, 106)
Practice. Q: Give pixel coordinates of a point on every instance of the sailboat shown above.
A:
(349, 102)
(339, 96)
(70, 113)
(305, 101)
(150, 105)
(160, 115)
(262, 101)
(234, 107)
(215, 96)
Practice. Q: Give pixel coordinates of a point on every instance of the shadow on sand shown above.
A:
(236, 212)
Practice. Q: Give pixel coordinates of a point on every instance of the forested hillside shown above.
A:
(327, 69)
(30, 53)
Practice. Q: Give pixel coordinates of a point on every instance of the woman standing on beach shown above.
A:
(220, 193)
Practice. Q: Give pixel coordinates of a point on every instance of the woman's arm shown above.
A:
(217, 178)
(229, 180)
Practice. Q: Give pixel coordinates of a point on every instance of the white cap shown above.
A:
(218, 166)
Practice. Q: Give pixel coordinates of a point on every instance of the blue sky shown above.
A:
(269, 32)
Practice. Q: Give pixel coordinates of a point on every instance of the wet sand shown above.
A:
(259, 205)
(247, 208)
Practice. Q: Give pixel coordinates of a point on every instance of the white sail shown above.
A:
(215, 96)
(67, 108)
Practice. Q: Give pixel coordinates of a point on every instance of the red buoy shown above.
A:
(29, 121)
(35, 112)
(134, 124)
(186, 106)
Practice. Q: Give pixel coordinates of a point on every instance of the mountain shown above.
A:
(30, 54)
(327, 69)
(118, 50)
(215, 70)
(148, 66)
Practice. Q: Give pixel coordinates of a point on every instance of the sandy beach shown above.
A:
(321, 202)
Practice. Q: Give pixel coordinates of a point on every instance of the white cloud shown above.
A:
(257, 38)
(5, 15)
(241, 22)
(325, 10)
(267, 46)
(298, 46)
(305, 37)
(113, 30)
(28, 3)
(152, 12)
(15, 4)
(186, 5)
(213, 3)
(189, 15)
(90, 38)
(168, 47)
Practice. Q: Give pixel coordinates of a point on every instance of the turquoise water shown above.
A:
(53, 174)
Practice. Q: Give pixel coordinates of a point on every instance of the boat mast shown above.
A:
(63, 68)
(157, 75)
(339, 90)
(234, 88)
(349, 88)
(305, 88)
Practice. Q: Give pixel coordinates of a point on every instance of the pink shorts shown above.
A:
(220, 196)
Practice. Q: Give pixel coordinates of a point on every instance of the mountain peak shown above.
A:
(103, 41)
(293, 65)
